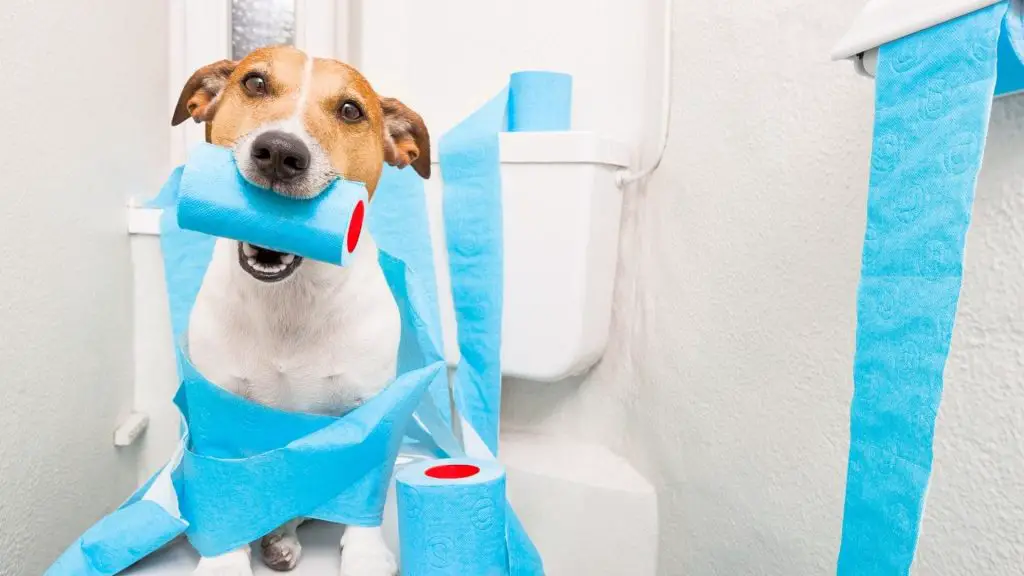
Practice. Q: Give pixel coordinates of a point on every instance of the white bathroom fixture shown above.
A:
(882, 21)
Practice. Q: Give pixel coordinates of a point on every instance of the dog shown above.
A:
(296, 334)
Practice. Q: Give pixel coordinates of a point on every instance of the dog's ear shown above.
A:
(199, 97)
(406, 140)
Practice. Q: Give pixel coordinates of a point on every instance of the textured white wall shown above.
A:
(729, 376)
(83, 125)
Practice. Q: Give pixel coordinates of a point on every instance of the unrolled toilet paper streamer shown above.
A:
(451, 519)
(934, 92)
(215, 199)
(400, 226)
(471, 169)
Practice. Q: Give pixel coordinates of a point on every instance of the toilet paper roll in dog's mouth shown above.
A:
(274, 233)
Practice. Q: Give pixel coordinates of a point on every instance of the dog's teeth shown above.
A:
(252, 252)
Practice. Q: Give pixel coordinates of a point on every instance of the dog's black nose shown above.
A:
(280, 156)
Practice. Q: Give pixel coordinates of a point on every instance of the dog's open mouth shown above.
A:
(266, 265)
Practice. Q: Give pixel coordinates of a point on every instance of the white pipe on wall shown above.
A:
(627, 177)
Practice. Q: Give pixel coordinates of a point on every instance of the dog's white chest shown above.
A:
(311, 380)
(311, 346)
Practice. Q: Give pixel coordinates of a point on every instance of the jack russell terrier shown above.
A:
(290, 333)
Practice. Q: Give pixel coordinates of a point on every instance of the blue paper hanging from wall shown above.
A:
(934, 92)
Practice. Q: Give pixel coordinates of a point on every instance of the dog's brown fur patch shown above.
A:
(390, 131)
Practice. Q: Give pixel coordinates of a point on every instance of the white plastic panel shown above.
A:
(883, 21)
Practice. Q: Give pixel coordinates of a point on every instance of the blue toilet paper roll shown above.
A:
(214, 199)
(539, 102)
(451, 518)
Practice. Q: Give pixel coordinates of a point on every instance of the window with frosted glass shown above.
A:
(256, 23)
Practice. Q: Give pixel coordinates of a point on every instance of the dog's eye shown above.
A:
(350, 112)
(255, 85)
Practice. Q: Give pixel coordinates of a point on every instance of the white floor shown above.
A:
(321, 555)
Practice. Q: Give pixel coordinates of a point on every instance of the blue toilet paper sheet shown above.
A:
(471, 170)
(400, 226)
(933, 100)
(249, 469)
(215, 199)
(452, 525)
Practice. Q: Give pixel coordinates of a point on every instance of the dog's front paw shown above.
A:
(234, 563)
(281, 550)
(364, 553)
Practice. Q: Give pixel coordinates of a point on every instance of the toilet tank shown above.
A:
(561, 232)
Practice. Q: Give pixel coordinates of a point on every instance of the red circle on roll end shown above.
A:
(452, 471)
(355, 227)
